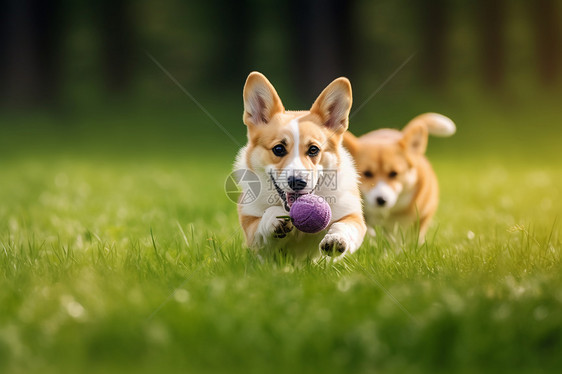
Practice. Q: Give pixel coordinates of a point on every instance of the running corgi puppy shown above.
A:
(397, 182)
(292, 153)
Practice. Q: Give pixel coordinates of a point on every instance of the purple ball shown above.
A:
(310, 213)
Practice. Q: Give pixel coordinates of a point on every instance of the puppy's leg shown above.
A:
(261, 230)
(424, 225)
(344, 236)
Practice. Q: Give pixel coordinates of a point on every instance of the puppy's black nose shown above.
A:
(381, 201)
(296, 184)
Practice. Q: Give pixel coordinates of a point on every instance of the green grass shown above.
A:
(136, 263)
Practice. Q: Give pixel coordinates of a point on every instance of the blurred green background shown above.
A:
(119, 250)
(77, 71)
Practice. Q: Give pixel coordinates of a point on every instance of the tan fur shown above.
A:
(379, 153)
(249, 224)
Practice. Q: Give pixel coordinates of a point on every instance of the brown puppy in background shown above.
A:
(397, 182)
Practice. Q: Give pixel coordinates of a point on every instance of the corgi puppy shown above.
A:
(293, 153)
(398, 185)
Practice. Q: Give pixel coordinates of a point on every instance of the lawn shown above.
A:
(116, 260)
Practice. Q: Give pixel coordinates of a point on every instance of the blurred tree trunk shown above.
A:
(548, 40)
(118, 38)
(30, 52)
(234, 22)
(491, 25)
(321, 42)
(4, 50)
(433, 53)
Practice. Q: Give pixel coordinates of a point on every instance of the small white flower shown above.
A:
(181, 295)
(73, 307)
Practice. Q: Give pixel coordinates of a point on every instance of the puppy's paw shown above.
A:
(334, 244)
(282, 228)
(272, 227)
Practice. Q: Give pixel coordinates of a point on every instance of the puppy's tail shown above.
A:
(436, 124)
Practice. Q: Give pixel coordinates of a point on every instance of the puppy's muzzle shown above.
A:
(296, 184)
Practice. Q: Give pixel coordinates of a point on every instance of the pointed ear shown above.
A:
(414, 137)
(333, 105)
(351, 143)
(261, 101)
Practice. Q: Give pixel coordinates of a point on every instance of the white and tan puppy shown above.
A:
(398, 184)
(297, 152)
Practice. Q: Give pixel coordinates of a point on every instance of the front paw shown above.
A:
(282, 228)
(273, 227)
(334, 244)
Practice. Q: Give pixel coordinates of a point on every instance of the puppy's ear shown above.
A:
(333, 105)
(351, 143)
(261, 101)
(414, 137)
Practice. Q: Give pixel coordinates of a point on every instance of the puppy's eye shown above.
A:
(392, 174)
(279, 150)
(368, 174)
(313, 151)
